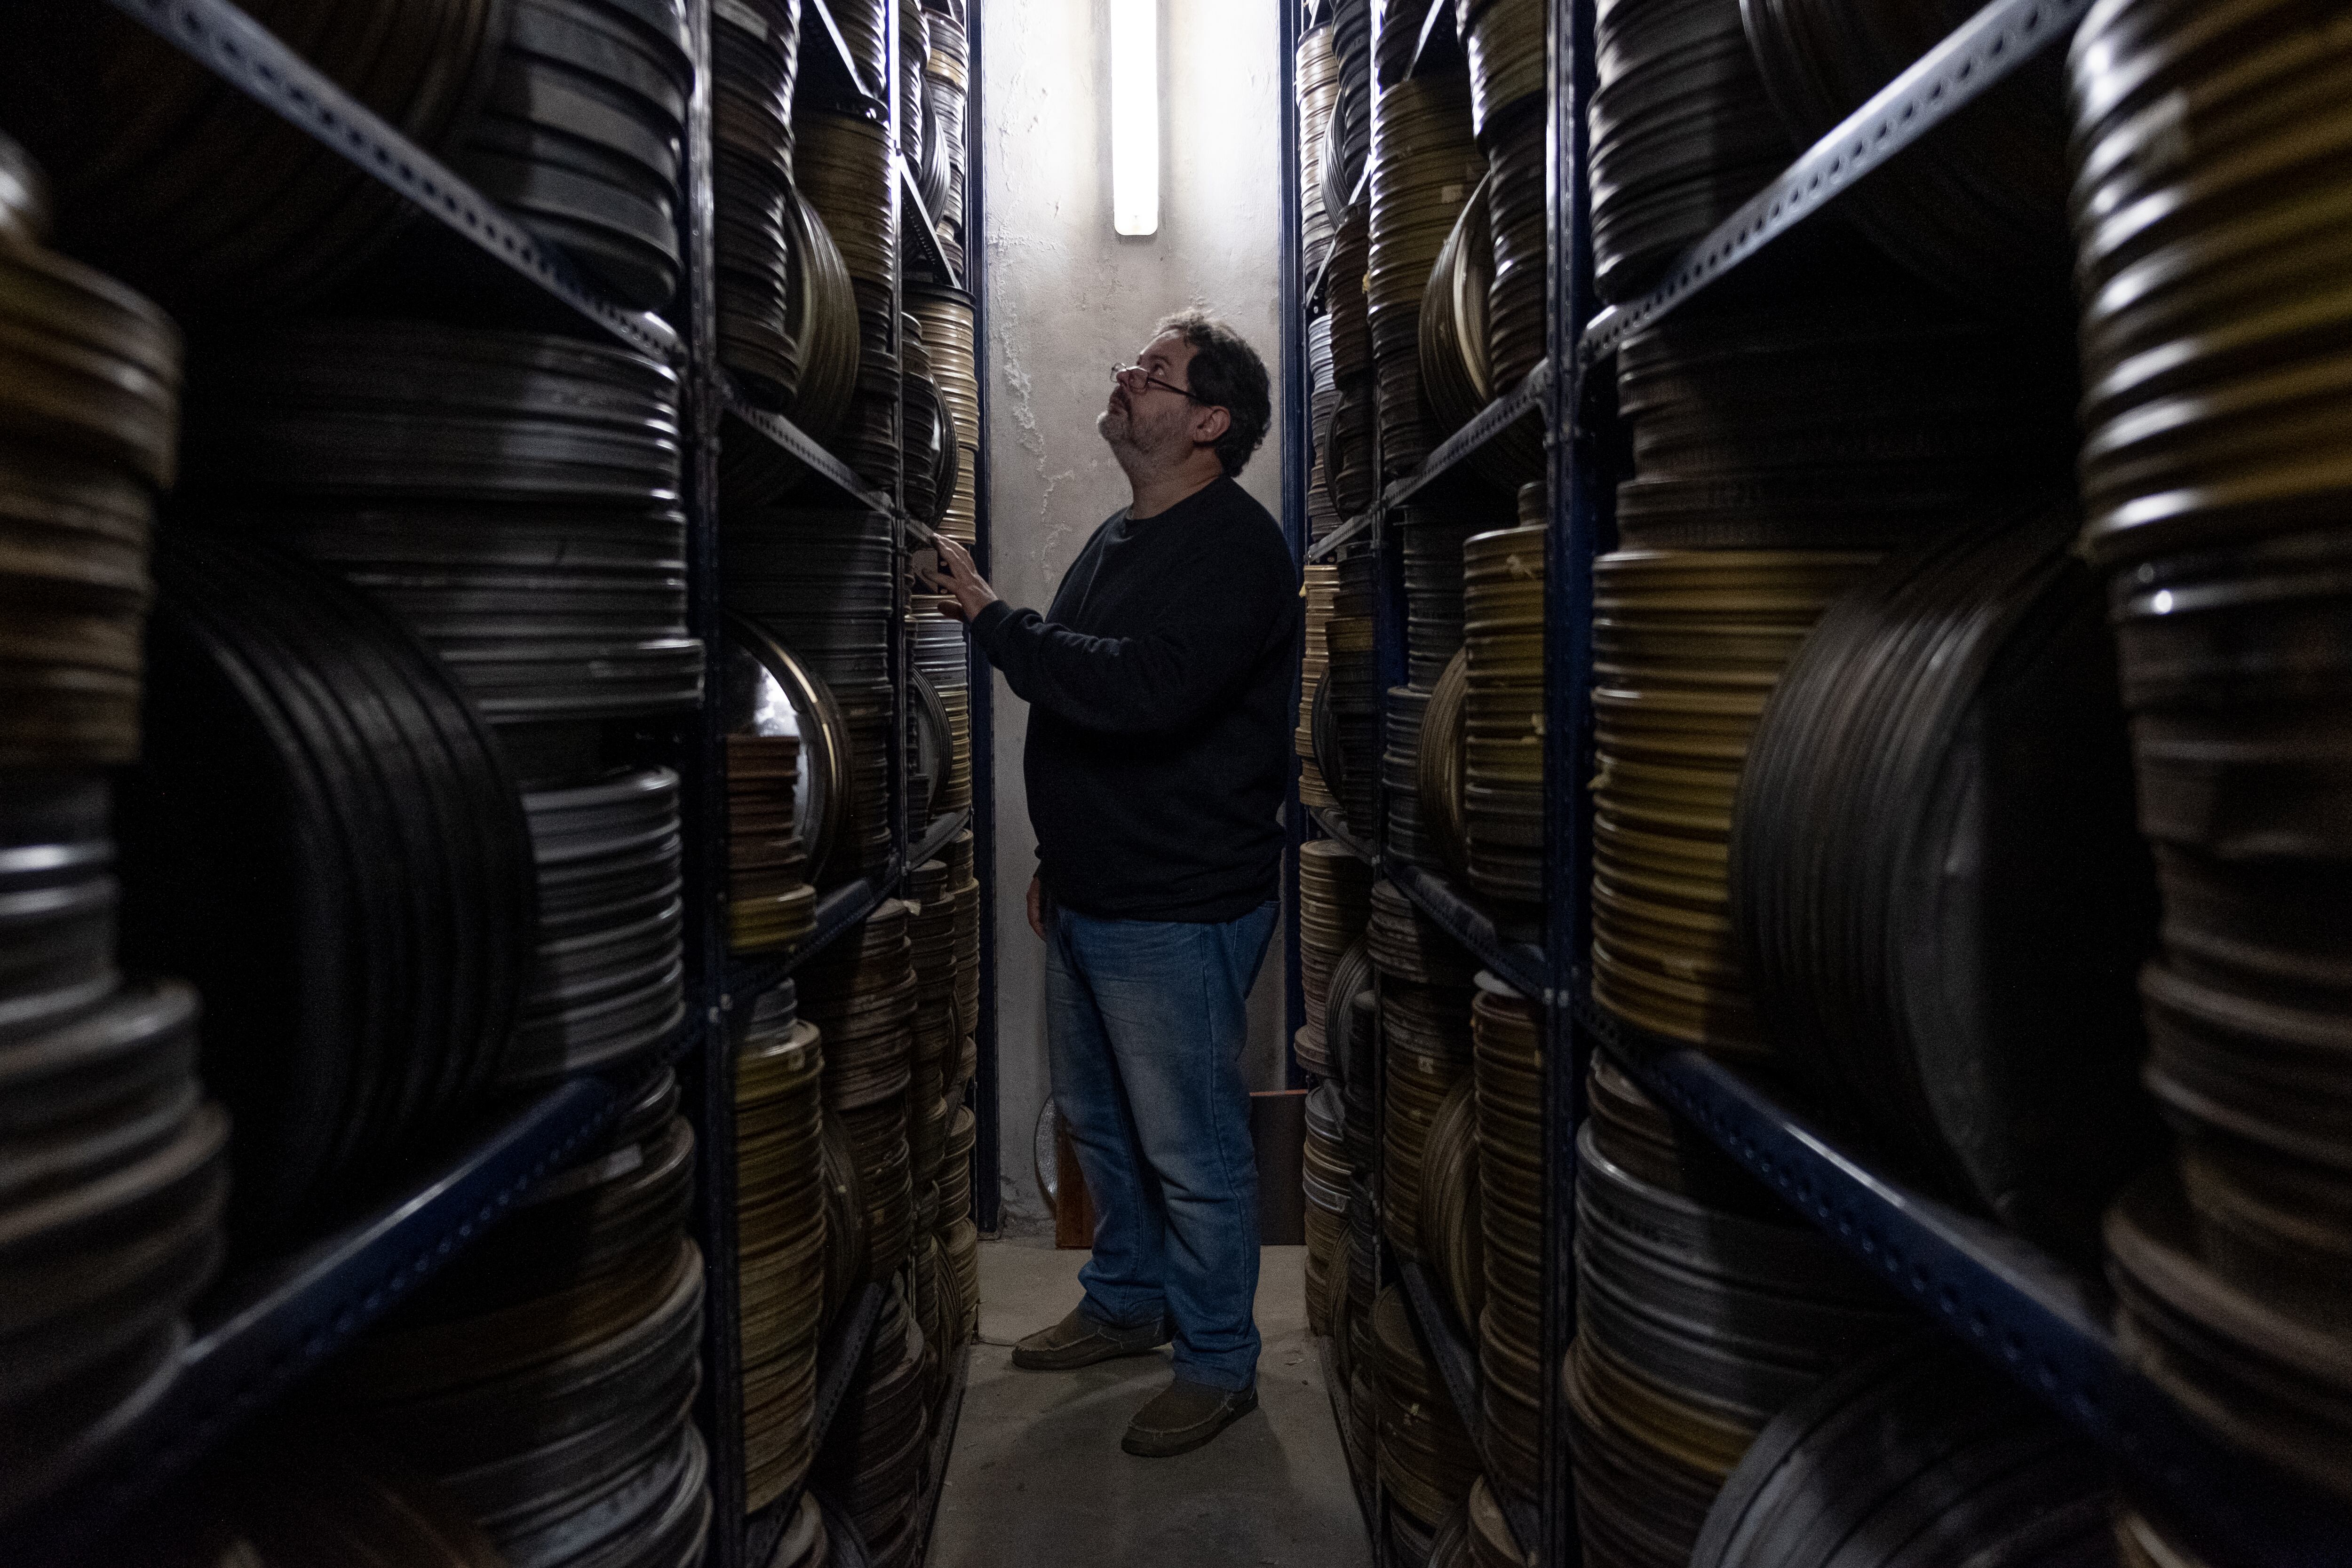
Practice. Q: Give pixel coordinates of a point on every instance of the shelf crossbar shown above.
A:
(1973, 59)
(240, 51)
(1347, 532)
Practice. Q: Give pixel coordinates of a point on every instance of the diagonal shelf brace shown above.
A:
(1457, 1359)
(798, 442)
(838, 911)
(935, 838)
(1516, 964)
(1974, 59)
(934, 256)
(838, 46)
(1363, 183)
(241, 52)
(1439, 44)
(1335, 828)
(1485, 425)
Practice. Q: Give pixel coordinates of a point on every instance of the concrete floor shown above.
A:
(1038, 1480)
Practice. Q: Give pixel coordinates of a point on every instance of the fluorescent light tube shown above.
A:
(1134, 116)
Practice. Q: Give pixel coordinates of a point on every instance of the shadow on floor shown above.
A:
(1038, 1480)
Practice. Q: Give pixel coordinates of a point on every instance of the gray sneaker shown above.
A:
(1081, 1341)
(1185, 1415)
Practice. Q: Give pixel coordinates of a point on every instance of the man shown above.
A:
(1159, 687)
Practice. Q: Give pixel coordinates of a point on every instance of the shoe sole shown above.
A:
(1168, 1448)
(1071, 1359)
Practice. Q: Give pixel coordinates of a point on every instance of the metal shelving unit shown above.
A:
(262, 1332)
(272, 1325)
(2041, 1323)
(2031, 1317)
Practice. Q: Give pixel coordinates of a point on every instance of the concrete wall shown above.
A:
(1067, 300)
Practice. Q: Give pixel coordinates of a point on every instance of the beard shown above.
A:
(1116, 424)
(1130, 439)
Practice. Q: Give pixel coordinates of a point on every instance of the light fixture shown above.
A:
(1134, 116)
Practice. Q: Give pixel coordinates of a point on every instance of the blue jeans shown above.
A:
(1145, 1022)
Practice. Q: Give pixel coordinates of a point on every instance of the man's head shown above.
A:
(1198, 394)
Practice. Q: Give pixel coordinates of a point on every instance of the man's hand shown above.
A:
(968, 594)
(1037, 907)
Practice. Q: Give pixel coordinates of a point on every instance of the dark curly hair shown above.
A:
(1226, 374)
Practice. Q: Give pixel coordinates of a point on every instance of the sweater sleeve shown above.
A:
(1219, 610)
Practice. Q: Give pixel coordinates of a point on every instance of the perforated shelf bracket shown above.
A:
(1322, 548)
(1973, 59)
(950, 1412)
(1335, 1388)
(237, 49)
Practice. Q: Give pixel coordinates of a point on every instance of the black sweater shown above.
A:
(1159, 727)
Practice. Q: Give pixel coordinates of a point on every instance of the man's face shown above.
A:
(1146, 418)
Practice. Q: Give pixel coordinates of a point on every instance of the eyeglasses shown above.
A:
(1121, 373)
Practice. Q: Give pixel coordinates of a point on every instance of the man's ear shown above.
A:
(1209, 426)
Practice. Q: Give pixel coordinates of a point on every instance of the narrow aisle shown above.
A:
(1038, 1480)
